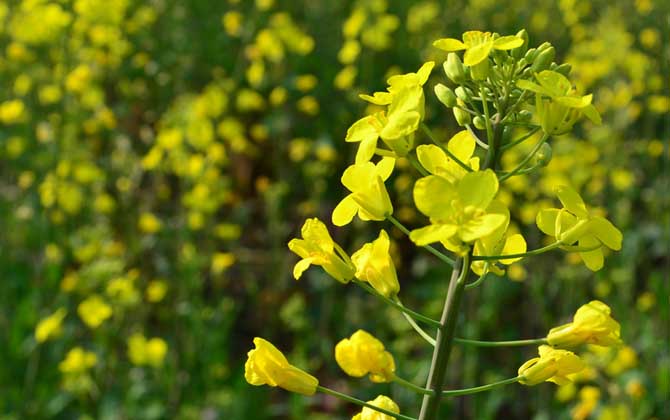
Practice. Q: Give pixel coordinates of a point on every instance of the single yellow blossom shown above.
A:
(78, 361)
(363, 354)
(436, 161)
(318, 248)
(382, 401)
(478, 45)
(268, 366)
(553, 365)
(592, 324)
(369, 198)
(375, 265)
(573, 223)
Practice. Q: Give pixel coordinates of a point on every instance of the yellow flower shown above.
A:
(363, 354)
(50, 326)
(368, 197)
(436, 161)
(478, 45)
(574, 223)
(12, 111)
(156, 290)
(553, 365)
(94, 311)
(382, 401)
(591, 324)
(318, 248)
(459, 212)
(267, 366)
(406, 110)
(78, 361)
(146, 352)
(375, 266)
(149, 223)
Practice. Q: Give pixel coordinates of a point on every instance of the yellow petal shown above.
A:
(546, 221)
(592, 259)
(345, 211)
(515, 244)
(507, 42)
(606, 232)
(449, 44)
(432, 233)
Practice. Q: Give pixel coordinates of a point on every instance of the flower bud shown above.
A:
(524, 115)
(463, 93)
(544, 59)
(462, 117)
(479, 122)
(543, 156)
(454, 68)
(520, 51)
(530, 55)
(564, 69)
(445, 95)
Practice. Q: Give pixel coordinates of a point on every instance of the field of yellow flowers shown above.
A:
(158, 156)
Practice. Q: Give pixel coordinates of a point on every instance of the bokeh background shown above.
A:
(156, 157)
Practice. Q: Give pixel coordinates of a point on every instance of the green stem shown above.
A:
(430, 249)
(453, 157)
(419, 330)
(520, 139)
(409, 385)
(536, 252)
(445, 335)
(512, 343)
(467, 391)
(525, 160)
(479, 280)
(345, 397)
(397, 304)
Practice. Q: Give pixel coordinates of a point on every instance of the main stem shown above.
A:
(445, 335)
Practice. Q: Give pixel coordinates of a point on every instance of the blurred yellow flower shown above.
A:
(51, 326)
(149, 223)
(12, 111)
(268, 366)
(146, 352)
(363, 354)
(221, 261)
(94, 311)
(156, 290)
(78, 361)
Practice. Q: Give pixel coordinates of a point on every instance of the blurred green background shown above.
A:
(157, 156)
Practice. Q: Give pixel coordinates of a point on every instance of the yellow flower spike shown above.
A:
(574, 223)
(318, 248)
(382, 401)
(592, 324)
(369, 198)
(266, 365)
(50, 326)
(458, 212)
(478, 45)
(375, 266)
(553, 365)
(363, 354)
(436, 161)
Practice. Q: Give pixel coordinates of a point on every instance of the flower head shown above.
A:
(459, 212)
(573, 223)
(375, 265)
(478, 45)
(50, 326)
(78, 361)
(363, 354)
(553, 365)
(267, 366)
(382, 401)
(369, 198)
(318, 248)
(94, 311)
(592, 324)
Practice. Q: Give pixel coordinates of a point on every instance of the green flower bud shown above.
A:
(445, 95)
(479, 122)
(530, 55)
(543, 156)
(524, 115)
(520, 51)
(564, 69)
(544, 46)
(543, 60)
(462, 117)
(454, 68)
(463, 93)
(480, 71)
